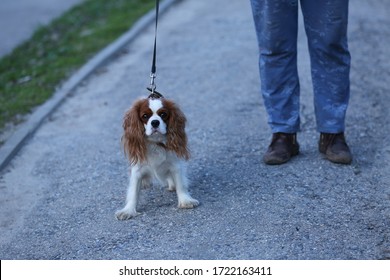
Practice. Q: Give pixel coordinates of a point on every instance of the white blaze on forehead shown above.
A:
(155, 105)
(152, 130)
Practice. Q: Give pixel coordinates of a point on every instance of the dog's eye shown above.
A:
(163, 115)
(145, 116)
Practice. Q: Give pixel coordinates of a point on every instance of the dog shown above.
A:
(155, 142)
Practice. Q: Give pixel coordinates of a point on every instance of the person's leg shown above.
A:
(326, 28)
(276, 23)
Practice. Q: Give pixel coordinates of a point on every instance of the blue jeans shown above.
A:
(326, 21)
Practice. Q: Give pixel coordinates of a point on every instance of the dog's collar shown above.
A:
(154, 94)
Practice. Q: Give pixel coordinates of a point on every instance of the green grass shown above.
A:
(33, 71)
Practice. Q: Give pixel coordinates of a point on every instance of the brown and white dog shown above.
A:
(155, 142)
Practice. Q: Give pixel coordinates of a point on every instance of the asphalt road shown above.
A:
(60, 193)
(20, 18)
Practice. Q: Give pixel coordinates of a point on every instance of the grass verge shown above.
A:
(33, 71)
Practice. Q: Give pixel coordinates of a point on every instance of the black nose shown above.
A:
(155, 123)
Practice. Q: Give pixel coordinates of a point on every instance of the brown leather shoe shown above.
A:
(283, 146)
(335, 148)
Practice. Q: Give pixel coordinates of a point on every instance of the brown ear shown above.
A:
(176, 135)
(133, 139)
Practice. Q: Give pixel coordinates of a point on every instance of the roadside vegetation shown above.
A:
(33, 71)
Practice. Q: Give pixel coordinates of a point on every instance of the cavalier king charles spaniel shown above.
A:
(155, 142)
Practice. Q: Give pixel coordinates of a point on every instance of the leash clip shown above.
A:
(152, 83)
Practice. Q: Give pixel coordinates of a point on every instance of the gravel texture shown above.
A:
(59, 195)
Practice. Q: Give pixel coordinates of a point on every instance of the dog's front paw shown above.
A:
(122, 215)
(188, 203)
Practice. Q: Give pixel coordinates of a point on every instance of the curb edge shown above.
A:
(17, 140)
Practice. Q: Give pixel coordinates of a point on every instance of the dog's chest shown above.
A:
(157, 155)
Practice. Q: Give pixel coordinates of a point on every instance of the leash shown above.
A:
(152, 87)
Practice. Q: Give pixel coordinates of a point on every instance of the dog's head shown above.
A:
(155, 120)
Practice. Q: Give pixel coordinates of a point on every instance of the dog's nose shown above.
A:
(155, 123)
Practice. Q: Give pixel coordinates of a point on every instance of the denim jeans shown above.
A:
(276, 23)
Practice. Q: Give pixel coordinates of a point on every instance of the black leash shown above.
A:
(152, 87)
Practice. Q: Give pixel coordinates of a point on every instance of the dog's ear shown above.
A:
(176, 135)
(133, 139)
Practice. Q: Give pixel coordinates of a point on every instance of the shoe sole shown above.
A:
(341, 160)
(278, 161)
(337, 159)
